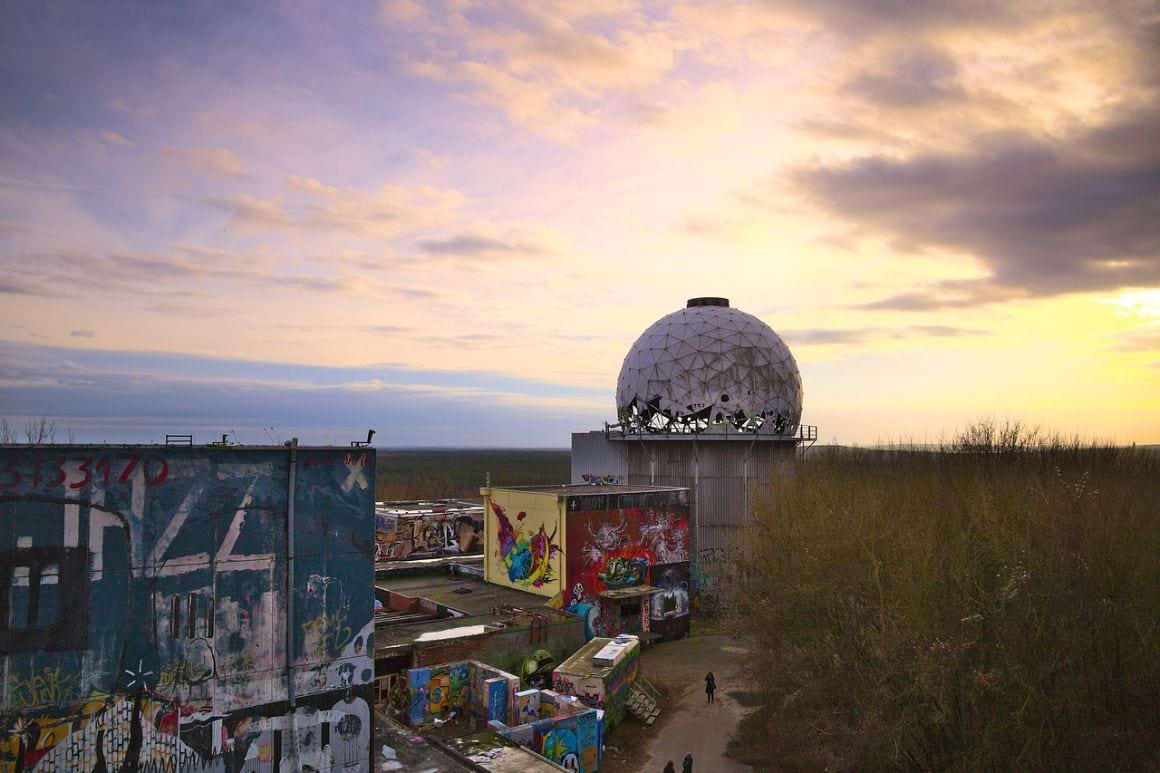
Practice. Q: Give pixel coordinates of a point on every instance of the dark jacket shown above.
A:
(710, 683)
(687, 766)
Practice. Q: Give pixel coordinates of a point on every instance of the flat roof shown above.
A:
(585, 489)
(399, 744)
(491, 751)
(477, 606)
(580, 663)
(441, 587)
(424, 506)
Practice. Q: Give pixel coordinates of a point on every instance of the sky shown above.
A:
(449, 220)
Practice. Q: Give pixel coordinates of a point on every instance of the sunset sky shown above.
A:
(449, 221)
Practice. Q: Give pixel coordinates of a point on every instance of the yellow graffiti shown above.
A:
(50, 687)
(329, 632)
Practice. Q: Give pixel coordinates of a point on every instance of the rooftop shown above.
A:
(583, 661)
(425, 506)
(482, 607)
(586, 489)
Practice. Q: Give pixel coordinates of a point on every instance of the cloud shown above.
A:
(1145, 338)
(1045, 216)
(842, 336)
(495, 242)
(113, 138)
(385, 213)
(865, 18)
(206, 162)
(543, 64)
(13, 285)
(137, 396)
(915, 80)
(82, 334)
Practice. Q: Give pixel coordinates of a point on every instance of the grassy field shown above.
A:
(991, 605)
(432, 473)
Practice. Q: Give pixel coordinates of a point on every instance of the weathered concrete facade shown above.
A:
(186, 609)
(726, 477)
(616, 556)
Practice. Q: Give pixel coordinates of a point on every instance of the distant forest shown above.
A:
(440, 473)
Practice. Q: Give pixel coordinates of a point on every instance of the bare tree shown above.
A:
(6, 433)
(37, 431)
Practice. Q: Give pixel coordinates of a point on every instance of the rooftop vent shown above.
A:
(693, 302)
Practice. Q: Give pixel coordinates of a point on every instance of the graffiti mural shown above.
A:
(561, 728)
(144, 616)
(624, 548)
(526, 557)
(401, 536)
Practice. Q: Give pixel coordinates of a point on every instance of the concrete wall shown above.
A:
(562, 729)
(466, 688)
(149, 624)
(605, 689)
(623, 541)
(726, 479)
(427, 535)
(523, 546)
(529, 652)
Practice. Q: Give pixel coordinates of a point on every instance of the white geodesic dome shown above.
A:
(709, 368)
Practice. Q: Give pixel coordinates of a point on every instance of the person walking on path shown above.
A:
(710, 686)
(687, 766)
(669, 767)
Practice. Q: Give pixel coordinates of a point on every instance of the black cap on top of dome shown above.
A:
(707, 302)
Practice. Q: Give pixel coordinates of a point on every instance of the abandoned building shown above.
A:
(616, 556)
(709, 398)
(186, 608)
(427, 529)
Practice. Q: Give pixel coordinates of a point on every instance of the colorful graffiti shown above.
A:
(466, 688)
(144, 609)
(536, 669)
(612, 549)
(528, 560)
(427, 535)
(563, 729)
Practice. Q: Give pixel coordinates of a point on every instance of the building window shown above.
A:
(630, 609)
(44, 598)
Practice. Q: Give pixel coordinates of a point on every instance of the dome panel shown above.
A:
(715, 357)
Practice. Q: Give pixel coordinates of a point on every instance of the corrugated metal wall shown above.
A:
(726, 478)
(597, 459)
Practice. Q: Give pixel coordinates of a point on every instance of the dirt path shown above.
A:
(688, 723)
(699, 727)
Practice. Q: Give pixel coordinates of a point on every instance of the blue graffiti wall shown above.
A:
(157, 611)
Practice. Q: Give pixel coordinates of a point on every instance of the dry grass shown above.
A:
(440, 473)
(994, 604)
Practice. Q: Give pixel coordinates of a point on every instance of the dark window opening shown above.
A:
(191, 624)
(209, 613)
(44, 598)
(175, 618)
(630, 609)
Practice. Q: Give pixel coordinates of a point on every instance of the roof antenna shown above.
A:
(363, 443)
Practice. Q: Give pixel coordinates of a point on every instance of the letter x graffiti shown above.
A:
(357, 476)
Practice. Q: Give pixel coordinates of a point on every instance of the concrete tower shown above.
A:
(708, 398)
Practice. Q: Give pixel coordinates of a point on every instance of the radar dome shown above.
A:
(709, 368)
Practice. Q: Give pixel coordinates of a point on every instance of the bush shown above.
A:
(991, 604)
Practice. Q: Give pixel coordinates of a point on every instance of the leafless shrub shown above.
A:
(990, 604)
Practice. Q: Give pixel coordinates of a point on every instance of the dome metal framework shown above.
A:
(709, 369)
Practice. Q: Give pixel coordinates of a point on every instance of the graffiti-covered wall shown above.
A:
(150, 600)
(626, 541)
(427, 535)
(524, 535)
